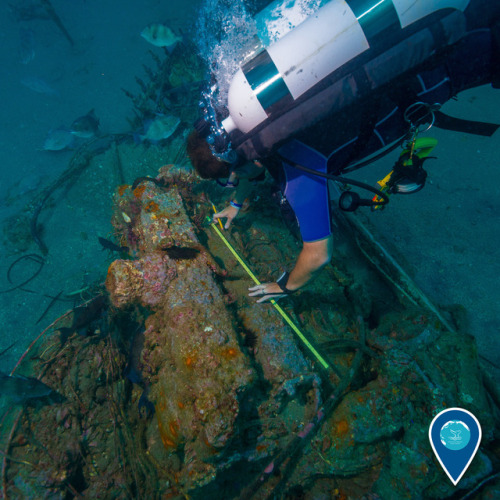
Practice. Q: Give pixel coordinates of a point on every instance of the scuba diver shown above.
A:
(351, 81)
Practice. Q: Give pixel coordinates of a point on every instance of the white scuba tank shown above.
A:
(303, 51)
(280, 17)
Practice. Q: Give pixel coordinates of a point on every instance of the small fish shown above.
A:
(132, 370)
(181, 253)
(86, 126)
(58, 140)
(20, 388)
(145, 406)
(29, 12)
(27, 45)
(109, 245)
(38, 85)
(83, 317)
(26, 186)
(161, 128)
(160, 35)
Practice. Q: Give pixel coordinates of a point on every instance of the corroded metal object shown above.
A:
(192, 358)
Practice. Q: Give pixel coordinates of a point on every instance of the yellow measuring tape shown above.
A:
(273, 302)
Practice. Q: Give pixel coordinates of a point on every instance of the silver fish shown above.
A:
(20, 388)
(25, 186)
(161, 128)
(86, 126)
(27, 45)
(160, 35)
(29, 11)
(58, 140)
(38, 85)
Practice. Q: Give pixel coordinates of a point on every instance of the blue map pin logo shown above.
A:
(455, 435)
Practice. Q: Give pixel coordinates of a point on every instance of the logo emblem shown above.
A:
(455, 435)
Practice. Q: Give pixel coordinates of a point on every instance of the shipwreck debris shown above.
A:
(239, 407)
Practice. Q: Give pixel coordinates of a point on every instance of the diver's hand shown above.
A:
(228, 213)
(266, 291)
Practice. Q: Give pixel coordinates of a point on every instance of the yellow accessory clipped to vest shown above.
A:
(407, 175)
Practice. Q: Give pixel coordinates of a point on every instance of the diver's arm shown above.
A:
(246, 184)
(241, 193)
(312, 258)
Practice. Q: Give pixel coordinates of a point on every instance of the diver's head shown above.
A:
(205, 163)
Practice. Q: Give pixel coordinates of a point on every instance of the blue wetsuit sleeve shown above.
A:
(307, 193)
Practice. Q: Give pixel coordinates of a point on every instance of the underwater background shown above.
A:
(446, 237)
(107, 55)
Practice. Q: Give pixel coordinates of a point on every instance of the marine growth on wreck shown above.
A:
(183, 386)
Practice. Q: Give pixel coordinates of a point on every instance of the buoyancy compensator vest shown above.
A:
(340, 55)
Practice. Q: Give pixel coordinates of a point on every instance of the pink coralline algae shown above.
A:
(191, 360)
(143, 281)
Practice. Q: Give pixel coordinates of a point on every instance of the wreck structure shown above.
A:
(187, 388)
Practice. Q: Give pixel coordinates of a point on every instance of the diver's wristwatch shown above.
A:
(283, 281)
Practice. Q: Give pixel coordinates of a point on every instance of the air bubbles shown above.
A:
(225, 28)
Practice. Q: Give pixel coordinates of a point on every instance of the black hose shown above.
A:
(32, 256)
(338, 178)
